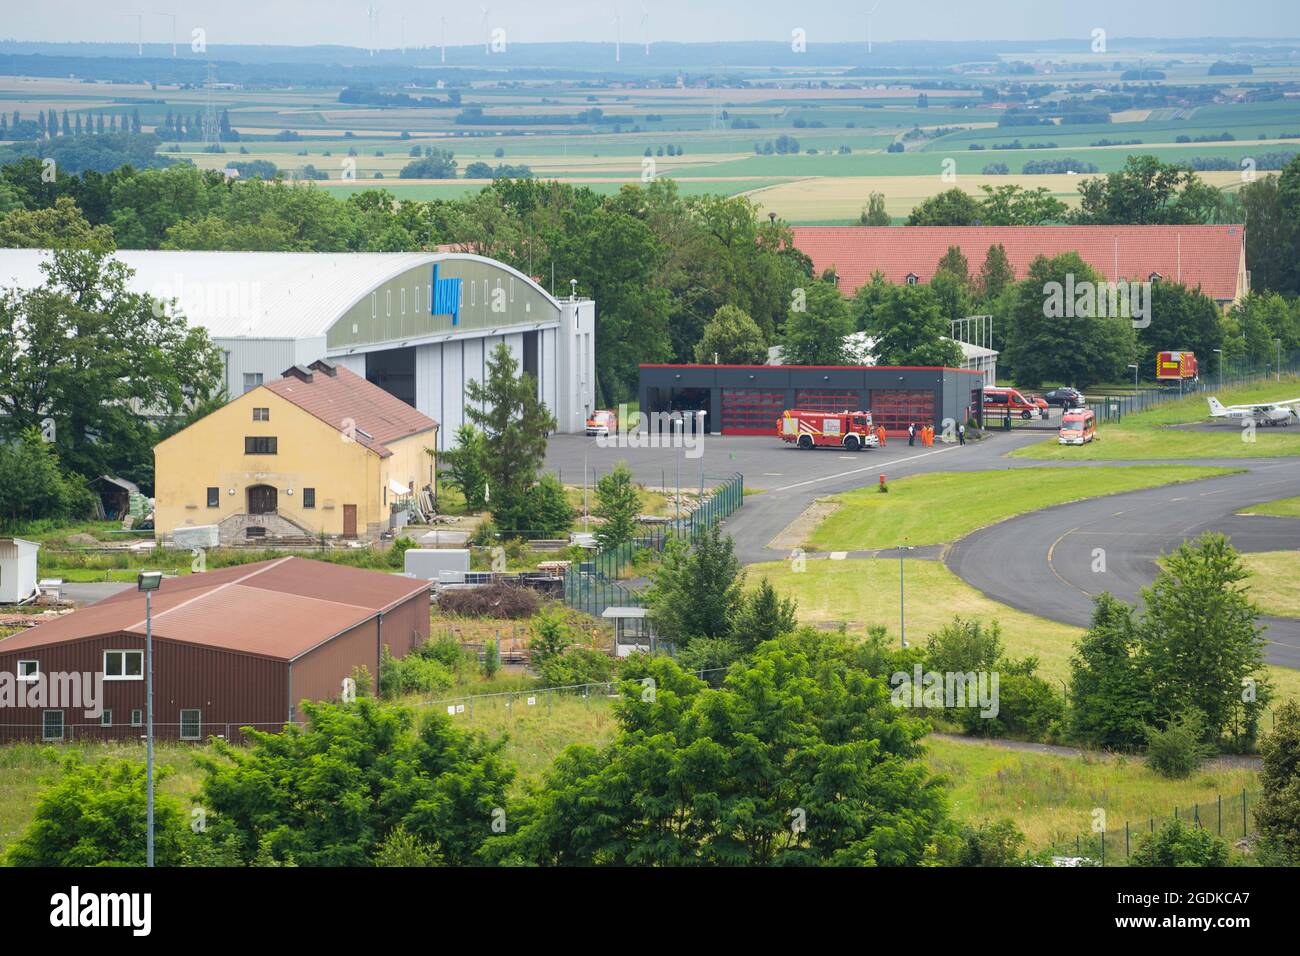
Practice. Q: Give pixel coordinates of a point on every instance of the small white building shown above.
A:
(17, 569)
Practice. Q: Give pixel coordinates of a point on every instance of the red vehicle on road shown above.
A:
(851, 431)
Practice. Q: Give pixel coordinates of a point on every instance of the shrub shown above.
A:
(412, 674)
(1180, 844)
(1179, 748)
(991, 844)
(499, 600)
(579, 665)
(552, 634)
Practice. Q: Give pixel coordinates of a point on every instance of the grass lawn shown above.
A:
(932, 509)
(1276, 584)
(1283, 507)
(1145, 436)
(1052, 798)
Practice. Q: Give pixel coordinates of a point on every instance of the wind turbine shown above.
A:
(869, 13)
(487, 34)
(645, 15)
(172, 16)
(618, 49)
(444, 38)
(371, 14)
(139, 31)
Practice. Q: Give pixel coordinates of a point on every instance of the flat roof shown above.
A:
(845, 368)
(280, 608)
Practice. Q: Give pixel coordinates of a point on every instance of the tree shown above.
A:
(1277, 814)
(949, 208)
(814, 335)
(438, 164)
(60, 227)
(874, 214)
(515, 424)
(1201, 643)
(1254, 325)
(1110, 689)
(103, 363)
(552, 634)
(95, 816)
(1272, 234)
(1017, 206)
(763, 616)
(1146, 192)
(953, 261)
(910, 329)
(866, 299)
(617, 505)
(731, 338)
(465, 466)
(1080, 349)
(798, 759)
(33, 485)
(996, 273)
(1180, 844)
(696, 591)
(992, 844)
(1178, 748)
(1181, 318)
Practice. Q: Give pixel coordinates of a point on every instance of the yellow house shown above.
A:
(320, 450)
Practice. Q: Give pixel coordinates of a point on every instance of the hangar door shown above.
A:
(896, 408)
(751, 411)
(827, 399)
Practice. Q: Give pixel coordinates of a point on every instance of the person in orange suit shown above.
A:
(880, 435)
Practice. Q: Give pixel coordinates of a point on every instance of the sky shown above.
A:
(418, 22)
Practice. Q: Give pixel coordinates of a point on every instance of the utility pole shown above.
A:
(148, 582)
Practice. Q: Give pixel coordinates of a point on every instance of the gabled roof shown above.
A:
(349, 403)
(1205, 256)
(280, 608)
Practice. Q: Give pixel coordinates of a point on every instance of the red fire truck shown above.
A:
(1176, 366)
(852, 431)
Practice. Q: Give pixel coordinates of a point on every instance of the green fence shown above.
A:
(1230, 816)
(593, 585)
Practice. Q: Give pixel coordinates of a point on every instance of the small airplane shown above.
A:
(1267, 413)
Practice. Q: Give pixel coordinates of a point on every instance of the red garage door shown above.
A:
(827, 399)
(897, 408)
(751, 411)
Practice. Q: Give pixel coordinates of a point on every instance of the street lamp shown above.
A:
(1135, 376)
(148, 582)
(1219, 352)
(1278, 342)
(586, 510)
(902, 623)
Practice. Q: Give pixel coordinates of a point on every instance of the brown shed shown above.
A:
(232, 647)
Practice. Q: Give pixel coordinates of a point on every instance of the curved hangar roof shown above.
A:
(291, 295)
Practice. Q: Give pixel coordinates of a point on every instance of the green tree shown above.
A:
(996, 274)
(910, 329)
(62, 226)
(1110, 689)
(1146, 192)
(874, 213)
(867, 298)
(1181, 318)
(814, 334)
(763, 616)
(696, 591)
(1017, 206)
(992, 844)
(465, 466)
(731, 338)
(514, 423)
(1278, 813)
(1178, 749)
(552, 634)
(618, 506)
(1180, 844)
(949, 208)
(33, 485)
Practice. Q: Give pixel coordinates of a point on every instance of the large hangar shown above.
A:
(419, 325)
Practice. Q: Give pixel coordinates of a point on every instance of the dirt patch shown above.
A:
(797, 531)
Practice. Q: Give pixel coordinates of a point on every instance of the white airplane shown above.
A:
(1267, 413)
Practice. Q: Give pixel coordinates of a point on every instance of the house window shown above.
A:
(261, 445)
(912, 278)
(214, 497)
(137, 717)
(252, 380)
(123, 665)
(261, 414)
(52, 725)
(106, 719)
(29, 670)
(191, 724)
(309, 497)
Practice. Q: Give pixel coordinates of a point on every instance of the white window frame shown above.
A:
(137, 717)
(30, 677)
(198, 734)
(106, 717)
(124, 675)
(45, 733)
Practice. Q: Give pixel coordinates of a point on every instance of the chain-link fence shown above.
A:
(1229, 816)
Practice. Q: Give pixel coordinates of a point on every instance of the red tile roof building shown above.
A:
(234, 646)
(1211, 257)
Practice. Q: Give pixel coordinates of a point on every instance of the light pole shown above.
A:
(1219, 352)
(148, 582)
(1135, 376)
(1279, 360)
(902, 622)
(586, 510)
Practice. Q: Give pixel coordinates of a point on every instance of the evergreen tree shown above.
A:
(1110, 689)
(1278, 812)
(763, 616)
(617, 505)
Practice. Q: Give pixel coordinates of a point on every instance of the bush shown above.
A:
(1180, 844)
(1179, 748)
(546, 510)
(991, 844)
(552, 634)
(413, 674)
(579, 665)
(500, 601)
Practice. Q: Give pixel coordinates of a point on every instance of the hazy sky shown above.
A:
(305, 22)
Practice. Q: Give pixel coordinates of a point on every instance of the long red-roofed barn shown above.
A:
(1212, 258)
(233, 647)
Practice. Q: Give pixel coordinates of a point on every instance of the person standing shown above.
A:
(911, 434)
(961, 434)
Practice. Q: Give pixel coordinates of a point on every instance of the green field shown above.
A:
(1284, 507)
(1275, 585)
(937, 508)
(1148, 435)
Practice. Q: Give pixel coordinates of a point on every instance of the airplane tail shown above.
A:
(1216, 408)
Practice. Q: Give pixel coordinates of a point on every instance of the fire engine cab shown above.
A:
(810, 429)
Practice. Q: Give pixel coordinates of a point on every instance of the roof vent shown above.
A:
(301, 372)
(326, 366)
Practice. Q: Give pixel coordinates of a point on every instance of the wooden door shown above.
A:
(261, 500)
(349, 521)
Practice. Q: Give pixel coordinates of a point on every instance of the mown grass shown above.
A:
(1052, 798)
(937, 508)
(1275, 585)
(1282, 507)
(1147, 435)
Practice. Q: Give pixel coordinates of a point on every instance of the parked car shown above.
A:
(1066, 397)
(602, 423)
(1040, 402)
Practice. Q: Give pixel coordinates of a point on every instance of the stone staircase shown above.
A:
(265, 529)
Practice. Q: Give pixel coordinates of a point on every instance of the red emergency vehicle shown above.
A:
(852, 431)
(1176, 366)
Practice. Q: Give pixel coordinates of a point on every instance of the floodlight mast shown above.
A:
(148, 582)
